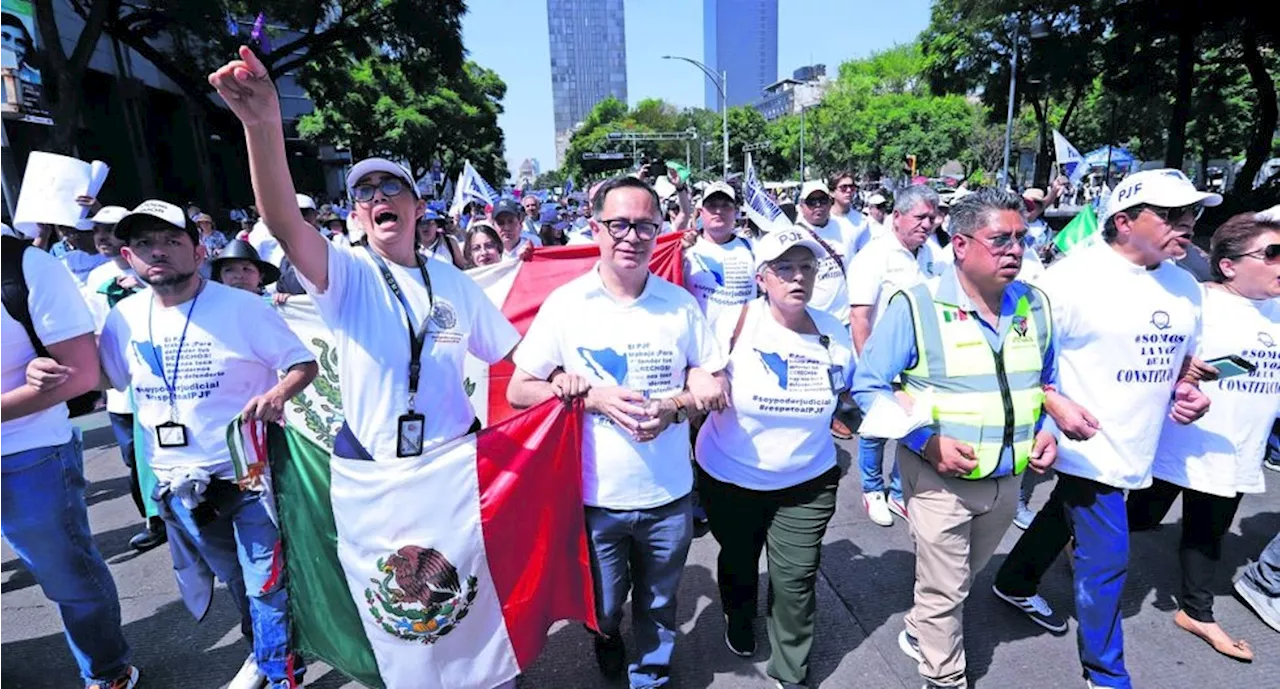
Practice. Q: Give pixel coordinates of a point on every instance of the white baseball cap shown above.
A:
(372, 165)
(160, 210)
(774, 244)
(718, 187)
(109, 215)
(1165, 188)
(877, 200)
(812, 186)
(305, 202)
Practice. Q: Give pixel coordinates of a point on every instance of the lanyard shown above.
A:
(171, 387)
(417, 336)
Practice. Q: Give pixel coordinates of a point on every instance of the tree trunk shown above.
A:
(68, 71)
(1265, 121)
(1043, 160)
(1175, 149)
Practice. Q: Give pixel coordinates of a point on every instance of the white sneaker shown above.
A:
(249, 676)
(877, 508)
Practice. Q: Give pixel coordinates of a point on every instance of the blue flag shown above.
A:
(759, 206)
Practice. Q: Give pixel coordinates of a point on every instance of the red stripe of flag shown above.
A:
(530, 473)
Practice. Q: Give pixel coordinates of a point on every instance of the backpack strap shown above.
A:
(737, 329)
(14, 290)
(830, 252)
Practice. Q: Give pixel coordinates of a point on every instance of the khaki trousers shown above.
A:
(956, 525)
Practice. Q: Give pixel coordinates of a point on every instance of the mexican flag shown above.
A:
(520, 287)
(444, 570)
(1080, 230)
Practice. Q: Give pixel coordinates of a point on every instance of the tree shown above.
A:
(64, 89)
(378, 106)
(550, 179)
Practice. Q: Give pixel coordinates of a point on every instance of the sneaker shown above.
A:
(1024, 517)
(898, 507)
(1264, 607)
(840, 430)
(1035, 608)
(739, 636)
(877, 508)
(125, 681)
(910, 646)
(154, 535)
(1272, 463)
(1089, 683)
(789, 685)
(611, 656)
(249, 676)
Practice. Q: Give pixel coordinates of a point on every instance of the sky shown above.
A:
(510, 37)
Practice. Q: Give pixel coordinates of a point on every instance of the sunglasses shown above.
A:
(1173, 216)
(846, 187)
(392, 186)
(1003, 243)
(618, 228)
(1269, 253)
(817, 201)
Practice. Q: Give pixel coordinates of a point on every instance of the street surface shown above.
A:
(863, 590)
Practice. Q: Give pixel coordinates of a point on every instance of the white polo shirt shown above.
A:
(372, 339)
(776, 434)
(647, 345)
(1221, 453)
(830, 292)
(884, 267)
(721, 277)
(856, 225)
(1122, 333)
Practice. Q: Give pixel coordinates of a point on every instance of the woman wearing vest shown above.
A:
(979, 342)
(767, 464)
(1213, 462)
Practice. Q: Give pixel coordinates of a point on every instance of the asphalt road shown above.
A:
(863, 590)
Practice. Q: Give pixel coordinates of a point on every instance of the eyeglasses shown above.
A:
(817, 201)
(846, 187)
(1003, 243)
(1269, 253)
(391, 186)
(618, 228)
(1173, 216)
(786, 270)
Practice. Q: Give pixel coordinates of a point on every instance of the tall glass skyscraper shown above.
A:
(740, 37)
(588, 60)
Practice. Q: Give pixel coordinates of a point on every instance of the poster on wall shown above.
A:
(23, 85)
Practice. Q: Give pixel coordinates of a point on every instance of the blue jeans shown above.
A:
(641, 551)
(1095, 514)
(240, 547)
(46, 522)
(870, 466)
(1264, 575)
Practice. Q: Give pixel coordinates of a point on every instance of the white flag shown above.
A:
(1068, 157)
(759, 206)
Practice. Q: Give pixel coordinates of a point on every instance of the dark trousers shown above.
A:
(1094, 514)
(1205, 520)
(792, 522)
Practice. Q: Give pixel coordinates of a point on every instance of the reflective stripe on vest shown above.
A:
(976, 391)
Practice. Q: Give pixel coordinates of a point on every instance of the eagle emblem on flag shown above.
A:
(420, 598)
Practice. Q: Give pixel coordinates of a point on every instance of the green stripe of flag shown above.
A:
(1081, 227)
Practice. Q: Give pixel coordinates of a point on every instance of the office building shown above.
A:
(588, 60)
(740, 37)
(804, 89)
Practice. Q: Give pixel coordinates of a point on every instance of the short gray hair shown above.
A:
(973, 211)
(915, 195)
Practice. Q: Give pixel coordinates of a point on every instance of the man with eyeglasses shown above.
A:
(1126, 322)
(628, 342)
(844, 209)
(892, 262)
(977, 345)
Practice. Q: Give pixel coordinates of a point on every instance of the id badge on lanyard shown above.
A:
(410, 426)
(171, 433)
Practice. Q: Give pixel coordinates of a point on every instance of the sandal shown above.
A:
(1238, 649)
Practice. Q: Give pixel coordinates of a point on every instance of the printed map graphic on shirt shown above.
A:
(776, 365)
(151, 355)
(712, 266)
(605, 361)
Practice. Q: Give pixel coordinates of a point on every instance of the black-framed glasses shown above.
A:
(1269, 253)
(391, 186)
(618, 228)
(1173, 216)
(817, 201)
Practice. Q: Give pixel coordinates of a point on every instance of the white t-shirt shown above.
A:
(519, 247)
(372, 339)
(1122, 333)
(776, 434)
(884, 267)
(81, 263)
(1221, 453)
(267, 246)
(721, 277)
(856, 225)
(234, 349)
(646, 345)
(1039, 231)
(117, 402)
(439, 250)
(58, 313)
(830, 291)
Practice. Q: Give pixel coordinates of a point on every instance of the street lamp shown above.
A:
(721, 80)
(1038, 30)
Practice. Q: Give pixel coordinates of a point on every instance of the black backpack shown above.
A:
(14, 291)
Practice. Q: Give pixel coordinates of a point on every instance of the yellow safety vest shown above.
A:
(986, 399)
